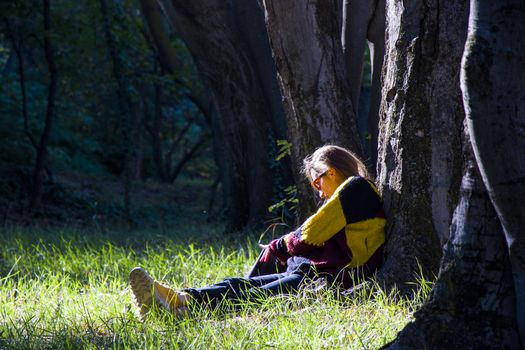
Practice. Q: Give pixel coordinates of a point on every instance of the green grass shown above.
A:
(68, 289)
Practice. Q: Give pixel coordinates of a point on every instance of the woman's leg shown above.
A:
(233, 288)
(289, 282)
(147, 291)
(241, 289)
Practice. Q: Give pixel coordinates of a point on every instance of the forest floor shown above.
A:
(66, 286)
(75, 199)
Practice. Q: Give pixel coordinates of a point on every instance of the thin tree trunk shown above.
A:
(376, 45)
(494, 96)
(25, 114)
(419, 146)
(365, 21)
(168, 55)
(356, 15)
(304, 37)
(124, 104)
(137, 138)
(156, 133)
(168, 156)
(211, 201)
(18, 49)
(41, 157)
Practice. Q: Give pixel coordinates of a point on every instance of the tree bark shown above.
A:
(41, 157)
(304, 38)
(480, 287)
(356, 15)
(364, 21)
(419, 145)
(473, 303)
(494, 97)
(376, 45)
(246, 14)
(242, 127)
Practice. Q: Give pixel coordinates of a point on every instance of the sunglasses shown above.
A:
(315, 182)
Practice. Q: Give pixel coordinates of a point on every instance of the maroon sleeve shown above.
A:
(278, 248)
(296, 246)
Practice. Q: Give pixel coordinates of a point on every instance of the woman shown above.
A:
(342, 241)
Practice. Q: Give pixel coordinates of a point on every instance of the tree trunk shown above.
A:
(124, 104)
(480, 288)
(242, 127)
(41, 157)
(155, 133)
(376, 45)
(246, 14)
(168, 157)
(137, 138)
(167, 54)
(356, 15)
(419, 146)
(305, 43)
(365, 21)
(494, 97)
(473, 305)
(18, 49)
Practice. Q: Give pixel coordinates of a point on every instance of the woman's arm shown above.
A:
(355, 200)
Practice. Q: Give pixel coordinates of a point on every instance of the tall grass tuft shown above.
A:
(68, 288)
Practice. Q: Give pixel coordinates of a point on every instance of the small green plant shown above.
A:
(287, 205)
(285, 149)
(286, 201)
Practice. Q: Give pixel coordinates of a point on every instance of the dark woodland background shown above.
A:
(73, 98)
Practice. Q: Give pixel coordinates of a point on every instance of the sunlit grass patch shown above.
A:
(69, 289)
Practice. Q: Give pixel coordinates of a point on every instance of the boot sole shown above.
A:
(142, 287)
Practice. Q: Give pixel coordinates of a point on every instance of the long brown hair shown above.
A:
(339, 158)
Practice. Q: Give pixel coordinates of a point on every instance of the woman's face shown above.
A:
(326, 182)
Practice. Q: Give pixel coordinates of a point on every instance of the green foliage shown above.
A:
(87, 133)
(288, 204)
(285, 149)
(285, 202)
(67, 288)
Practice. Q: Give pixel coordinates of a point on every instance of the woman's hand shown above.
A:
(268, 255)
(266, 252)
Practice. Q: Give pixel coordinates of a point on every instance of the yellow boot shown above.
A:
(142, 287)
(173, 301)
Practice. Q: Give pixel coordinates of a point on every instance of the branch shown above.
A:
(167, 157)
(188, 155)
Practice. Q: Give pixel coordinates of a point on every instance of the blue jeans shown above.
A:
(241, 289)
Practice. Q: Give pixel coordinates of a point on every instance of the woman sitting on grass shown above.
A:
(343, 241)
